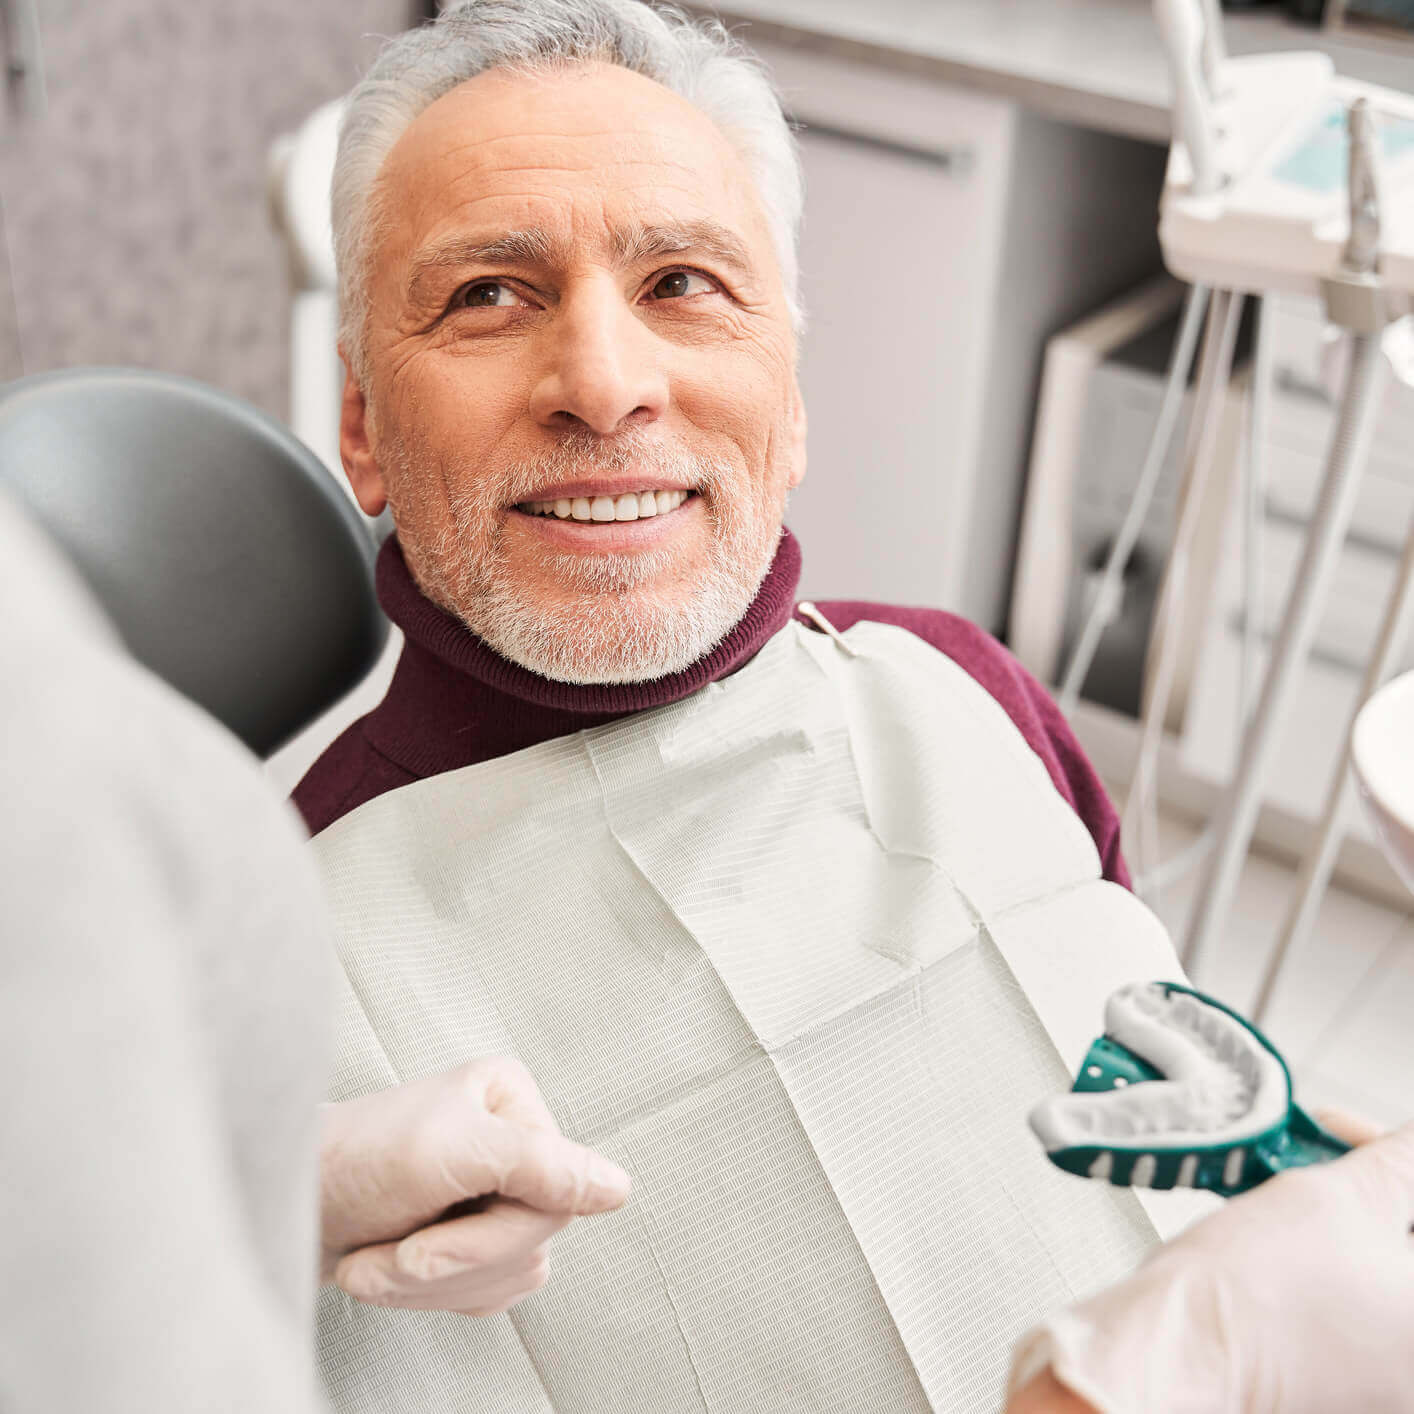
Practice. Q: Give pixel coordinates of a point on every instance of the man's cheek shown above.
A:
(738, 417)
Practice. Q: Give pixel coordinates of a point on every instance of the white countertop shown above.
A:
(1096, 63)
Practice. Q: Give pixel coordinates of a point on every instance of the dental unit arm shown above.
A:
(1180, 1092)
(1283, 178)
(1257, 197)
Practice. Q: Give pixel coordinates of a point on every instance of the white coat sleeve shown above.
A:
(156, 1152)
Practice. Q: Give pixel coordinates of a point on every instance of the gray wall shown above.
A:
(136, 211)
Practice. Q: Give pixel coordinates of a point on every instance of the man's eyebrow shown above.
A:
(637, 244)
(632, 245)
(532, 246)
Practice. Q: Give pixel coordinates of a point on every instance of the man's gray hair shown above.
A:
(699, 61)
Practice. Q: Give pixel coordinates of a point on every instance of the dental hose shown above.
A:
(1150, 882)
(1238, 814)
(1101, 614)
(1202, 438)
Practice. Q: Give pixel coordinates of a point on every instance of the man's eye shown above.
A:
(677, 283)
(486, 294)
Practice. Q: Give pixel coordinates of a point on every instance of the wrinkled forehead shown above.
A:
(582, 151)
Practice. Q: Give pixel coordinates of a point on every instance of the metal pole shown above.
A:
(1252, 504)
(1320, 857)
(1356, 299)
(1238, 814)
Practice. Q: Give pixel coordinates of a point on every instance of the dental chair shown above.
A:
(222, 549)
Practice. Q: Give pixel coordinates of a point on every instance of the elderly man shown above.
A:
(163, 1023)
(786, 911)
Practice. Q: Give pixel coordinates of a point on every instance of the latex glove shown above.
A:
(393, 1163)
(1296, 1298)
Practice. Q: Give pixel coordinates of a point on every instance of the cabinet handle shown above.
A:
(958, 160)
(24, 60)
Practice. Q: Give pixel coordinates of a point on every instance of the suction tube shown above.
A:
(1202, 443)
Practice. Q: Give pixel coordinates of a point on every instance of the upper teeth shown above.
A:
(630, 506)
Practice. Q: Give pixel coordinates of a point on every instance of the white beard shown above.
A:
(611, 625)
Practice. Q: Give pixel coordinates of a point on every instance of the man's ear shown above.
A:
(797, 439)
(355, 450)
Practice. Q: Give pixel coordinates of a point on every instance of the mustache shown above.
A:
(582, 453)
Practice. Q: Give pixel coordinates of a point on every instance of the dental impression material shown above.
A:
(1180, 1092)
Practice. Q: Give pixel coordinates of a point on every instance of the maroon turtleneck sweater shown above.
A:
(454, 701)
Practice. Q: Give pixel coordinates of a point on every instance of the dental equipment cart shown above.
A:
(1283, 177)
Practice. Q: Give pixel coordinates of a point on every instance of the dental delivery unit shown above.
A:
(1284, 178)
(1180, 1092)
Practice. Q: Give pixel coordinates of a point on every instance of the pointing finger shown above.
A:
(556, 1175)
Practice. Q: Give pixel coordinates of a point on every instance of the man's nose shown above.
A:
(604, 370)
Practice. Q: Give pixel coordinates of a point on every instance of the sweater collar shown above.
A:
(454, 700)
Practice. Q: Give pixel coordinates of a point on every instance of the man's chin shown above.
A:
(611, 638)
(605, 618)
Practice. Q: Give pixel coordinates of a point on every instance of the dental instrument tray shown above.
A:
(1180, 1092)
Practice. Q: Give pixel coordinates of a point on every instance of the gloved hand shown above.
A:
(392, 1164)
(1296, 1298)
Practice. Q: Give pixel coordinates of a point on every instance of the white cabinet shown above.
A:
(899, 256)
(946, 235)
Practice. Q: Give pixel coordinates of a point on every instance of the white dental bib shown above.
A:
(799, 952)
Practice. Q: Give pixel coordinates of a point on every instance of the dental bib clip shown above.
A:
(1180, 1092)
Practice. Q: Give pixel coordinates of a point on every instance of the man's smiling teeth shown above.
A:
(633, 505)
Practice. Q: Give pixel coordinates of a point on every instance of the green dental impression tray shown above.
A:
(1180, 1092)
